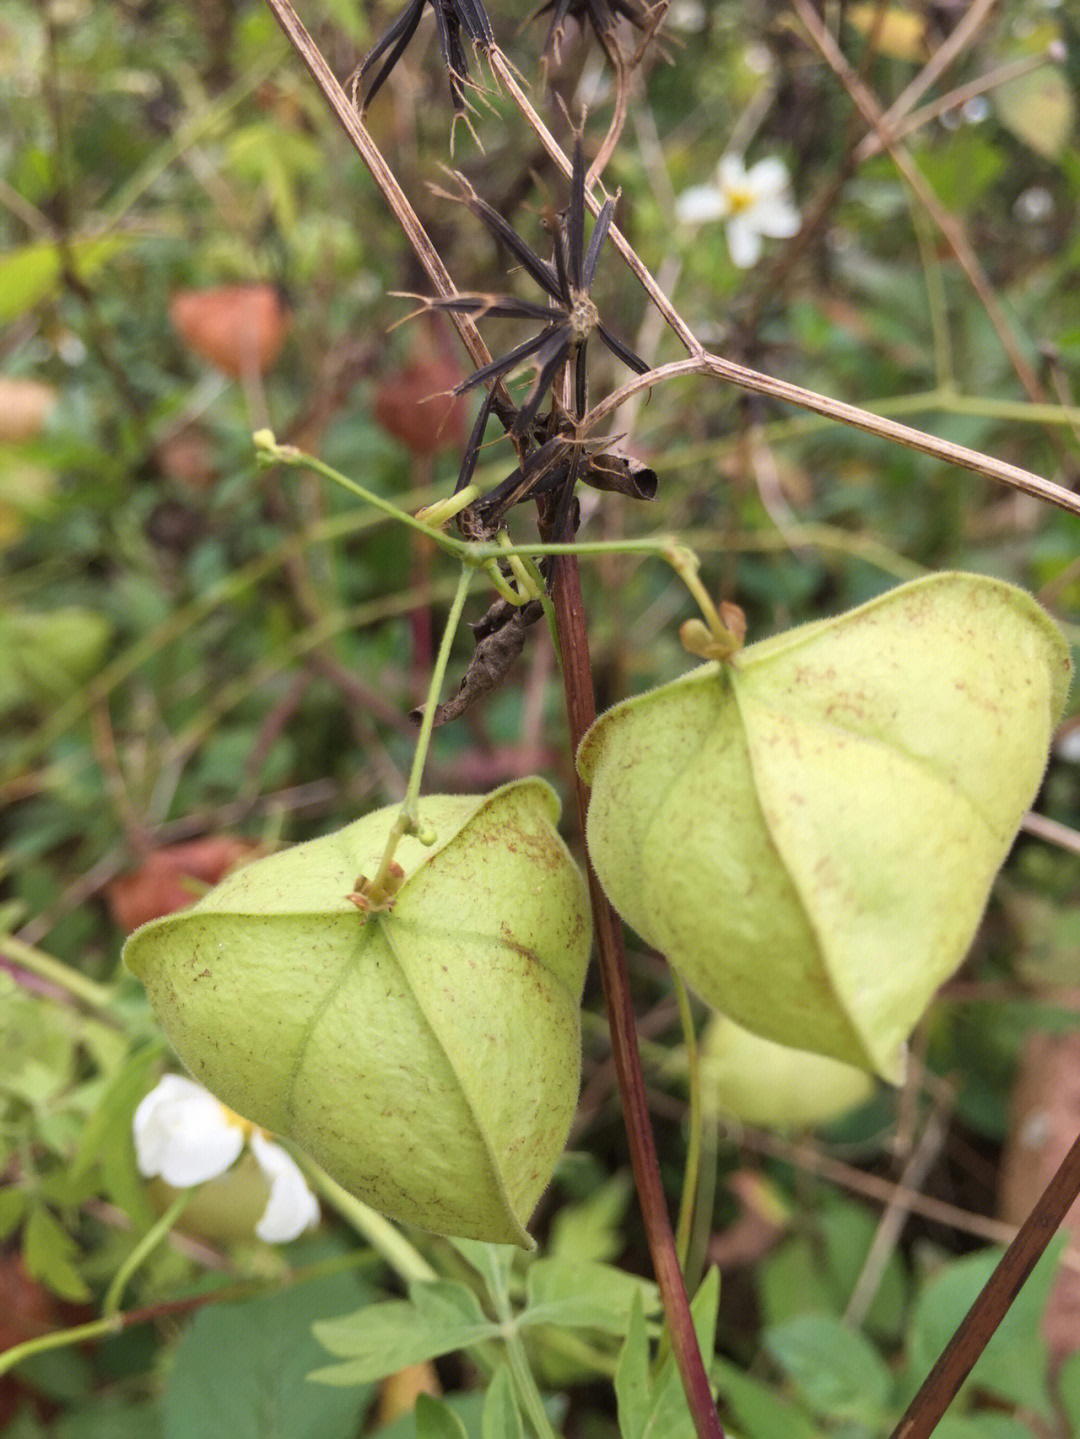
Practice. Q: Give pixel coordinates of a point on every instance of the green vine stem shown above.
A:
(685, 1227)
(98, 997)
(126, 1319)
(484, 554)
(379, 890)
(63, 1339)
(384, 1238)
(520, 1368)
(146, 1245)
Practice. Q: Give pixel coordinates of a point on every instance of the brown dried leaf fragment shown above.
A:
(502, 640)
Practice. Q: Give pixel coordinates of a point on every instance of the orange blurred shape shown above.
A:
(239, 329)
(24, 407)
(187, 457)
(28, 1310)
(414, 407)
(174, 877)
(399, 1392)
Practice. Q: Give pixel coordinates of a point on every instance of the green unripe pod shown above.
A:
(769, 1084)
(809, 831)
(426, 1055)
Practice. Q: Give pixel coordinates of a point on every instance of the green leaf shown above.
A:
(1013, 1365)
(1039, 109)
(241, 1370)
(790, 1281)
(759, 1409)
(839, 1373)
(48, 1251)
(502, 1417)
(62, 1375)
(111, 1418)
(13, 1203)
(31, 273)
(436, 1420)
(1068, 1387)
(632, 1384)
(981, 1426)
(491, 1261)
(818, 1270)
(466, 1408)
(106, 1137)
(963, 167)
(584, 1296)
(437, 1318)
(25, 1426)
(589, 1230)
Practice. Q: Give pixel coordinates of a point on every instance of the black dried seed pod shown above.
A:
(454, 20)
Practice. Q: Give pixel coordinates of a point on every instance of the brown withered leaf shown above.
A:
(501, 638)
(172, 878)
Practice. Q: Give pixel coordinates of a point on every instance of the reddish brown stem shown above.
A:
(581, 711)
(983, 1318)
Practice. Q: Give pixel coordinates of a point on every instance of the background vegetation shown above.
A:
(197, 652)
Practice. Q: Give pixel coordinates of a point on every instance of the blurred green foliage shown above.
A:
(191, 646)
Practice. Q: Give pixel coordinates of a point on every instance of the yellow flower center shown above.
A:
(245, 1126)
(739, 199)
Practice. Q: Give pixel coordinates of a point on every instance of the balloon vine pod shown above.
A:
(425, 1051)
(809, 828)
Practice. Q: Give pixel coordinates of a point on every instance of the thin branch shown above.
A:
(892, 1222)
(623, 79)
(755, 380)
(808, 1158)
(947, 223)
(968, 27)
(873, 144)
(385, 179)
(984, 1317)
(859, 419)
(1052, 831)
(581, 711)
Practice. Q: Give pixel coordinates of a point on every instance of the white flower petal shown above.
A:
(731, 173)
(776, 217)
(292, 1207)
(181, 1133)
(744, 241)
(701, 204)
(768, 177)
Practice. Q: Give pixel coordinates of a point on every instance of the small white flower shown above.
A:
(183, 1134)
(752, 203)
(686, 15)
(975, 110)
(1034, 204)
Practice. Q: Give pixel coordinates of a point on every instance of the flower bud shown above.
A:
(809, 832)
(427, 1055)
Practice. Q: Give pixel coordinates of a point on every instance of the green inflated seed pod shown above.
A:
(809, 831)
(763, 1083)
(428, 1055)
